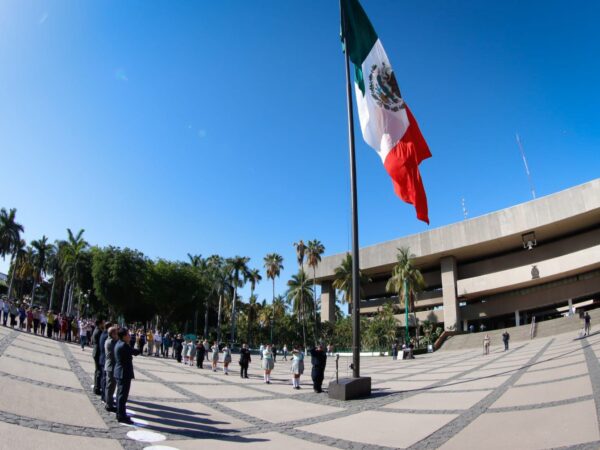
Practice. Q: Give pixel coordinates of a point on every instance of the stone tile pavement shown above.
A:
(541, 394)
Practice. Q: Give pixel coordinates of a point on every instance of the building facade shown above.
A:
(534, 259)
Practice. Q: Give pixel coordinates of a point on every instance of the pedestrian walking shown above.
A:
(268, 364)
(486, 344)
(297, 366)
(226, 359)
(285, 352)
(319, 361)
(587, 323)
(245, 360)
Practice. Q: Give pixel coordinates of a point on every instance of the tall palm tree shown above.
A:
(299, 295)
(219, 279)
(343, 279)
(252, 315)
(238, 267)
(71, 262)
(53, 268)
(24, 261)
(273, 264)
(42, 249)
(10, 238)
(406, 281)
(200, 266)
(313, 257)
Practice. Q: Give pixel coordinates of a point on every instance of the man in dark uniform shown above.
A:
(319, 360)
(245, 360)
(109, 368)
(102, 359)
(123, 373)
(199, 354)
(96, 355)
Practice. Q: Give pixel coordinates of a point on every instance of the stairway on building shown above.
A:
(572, 324)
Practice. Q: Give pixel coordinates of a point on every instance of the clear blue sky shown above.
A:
(220, 127)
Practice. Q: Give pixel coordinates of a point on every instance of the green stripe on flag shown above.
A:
(360, 36)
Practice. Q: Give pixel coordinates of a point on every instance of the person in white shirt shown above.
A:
(157, 343)
(43, 322)
(82, 333)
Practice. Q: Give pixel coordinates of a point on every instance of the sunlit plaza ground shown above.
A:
(543, 393)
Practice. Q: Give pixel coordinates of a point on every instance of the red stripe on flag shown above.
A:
(402, 164)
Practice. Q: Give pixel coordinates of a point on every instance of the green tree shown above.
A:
(10, 239)
(120, 281)
(273, 264)
(380, 331)
(343, 279)
(71, 262)
(314, 250)
(238, 267)
(42, 249)
(300, 297)
(406, 281)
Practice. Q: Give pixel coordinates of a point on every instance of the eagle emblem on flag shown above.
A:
(384, 88)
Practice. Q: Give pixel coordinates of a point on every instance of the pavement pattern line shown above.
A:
(446, 432)
(594, 373)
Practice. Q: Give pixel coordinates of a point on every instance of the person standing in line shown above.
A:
(268, 364)
(186, 351)
(297, 366)
(103, 338)
(167, 342)
(191, 352)
(206, 349)
(226, 359)
(486, 344)
(96, 355)
(178, 347)
(587, 323)
(50, 327)
(109, 368)
(394, 351)
(150, 342)
(505, 339)
(5, 312)
(215, 356)
(22, 316)
(123, 373)
(245, 360)
(157, 343)
(14, 312)
(200, 354)
(285, 352)
(82, 333)
(36, 320)
(43, 322)
(29, 320)
(69, 335)
(319, 360)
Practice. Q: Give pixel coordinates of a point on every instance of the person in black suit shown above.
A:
(245, 360)
(102, 359)
(123, 373)
(96, 355)
(200, 350)
(319, 360)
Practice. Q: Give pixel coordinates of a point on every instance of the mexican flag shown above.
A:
(385, 119)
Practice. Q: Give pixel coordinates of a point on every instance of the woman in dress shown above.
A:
(191, 352)
(226, 359)
(186, 352)
(215, 356)
(267, 363)
(297, 366)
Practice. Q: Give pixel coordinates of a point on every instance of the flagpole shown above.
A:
(354, 197)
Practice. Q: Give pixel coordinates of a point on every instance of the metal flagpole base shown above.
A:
(350, 388)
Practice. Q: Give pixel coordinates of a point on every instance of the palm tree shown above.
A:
(299, 295)
(10, 238)
(71, 261)
(238, 267)
(313, 257)
(252, 314)
(199, 265)
(23, 267)
(42, 249)
(343, 279)
(406, 281)
(218, 275)
(53, 268)
(273, 264)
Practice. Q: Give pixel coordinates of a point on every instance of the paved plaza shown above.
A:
(543, 393)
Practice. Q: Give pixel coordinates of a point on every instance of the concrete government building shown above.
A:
(538, 258)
